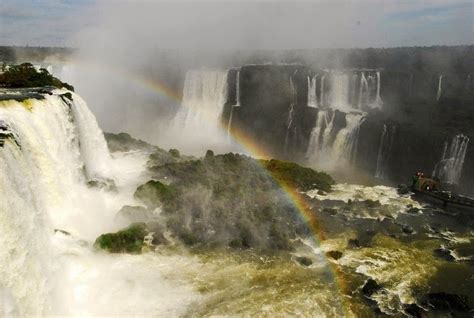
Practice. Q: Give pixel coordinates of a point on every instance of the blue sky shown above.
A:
(239, 24)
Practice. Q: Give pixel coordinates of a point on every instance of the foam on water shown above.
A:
(56, 148)
(354, 192)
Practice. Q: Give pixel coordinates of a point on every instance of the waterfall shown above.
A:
(199, 119)
(204, 95)
(319, 140)
(438, 94)
(329, 148)
(321, 101)
(291, 112)
(449, 168)
(237, 89)
(339, 94)
(49, 145)
(312, 98)
(385, 148)
(363, 90)
(378, 99)
(237, 103)
(347, 140)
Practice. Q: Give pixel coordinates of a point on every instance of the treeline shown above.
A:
(25, 75)
(15, 54)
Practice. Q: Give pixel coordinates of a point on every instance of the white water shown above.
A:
(385, 148)
(328, 149)
(378, 100)
(363, 90)
(237, 104)
(237, 89)
(42, 186)
(383, 194)
(291, 113)
(312, 98)
(197, 125)
(440, 85)
(322, 102)
(339, 94)
(449, 168)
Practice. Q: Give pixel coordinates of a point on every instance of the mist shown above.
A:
(124, 45)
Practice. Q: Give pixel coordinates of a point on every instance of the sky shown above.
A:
(229, 24)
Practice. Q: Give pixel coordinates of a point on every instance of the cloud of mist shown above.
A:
(122, 41)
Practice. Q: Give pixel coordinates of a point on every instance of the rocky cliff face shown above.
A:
(299, 113)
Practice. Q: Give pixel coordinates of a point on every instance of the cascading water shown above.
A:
(339, 94)
(312, 98)
(40, 166)
(347, 140)
(237, 89)
(204, 96)
(237, 102)
(378, 100)
(291, 113)
(363, 91)
(328, 148)
(440, 83)
(322, 102)
(50, 148)
(385, 148)
(450, 167)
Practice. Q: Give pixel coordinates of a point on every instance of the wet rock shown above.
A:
(321, 192)
(403, 189)
(407, 229)
(444, 254)
(447, 302)
(413, 210)
(105, 184)
(303, 260)
(370, 287)
(331, 211)
(353, 243)
(372, 203)
(62, 232)
(334, 254)
(157, 230)
(413, 310)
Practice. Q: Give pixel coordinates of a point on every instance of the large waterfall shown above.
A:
(331, 147)
(449, 168)
(347, 90)
(52, 143)
(197, 125)
(339, 94)
(50, 148)
(312, 98)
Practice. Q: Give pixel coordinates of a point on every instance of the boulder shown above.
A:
(303, 260)
(334, 254)
(370, 287)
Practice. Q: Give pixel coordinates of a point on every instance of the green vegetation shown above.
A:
(25, 75)
(153, 193)
(297, 176)
(124, 142)
(128, 240)
(231, 200)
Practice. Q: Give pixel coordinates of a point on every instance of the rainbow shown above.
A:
(256, 150)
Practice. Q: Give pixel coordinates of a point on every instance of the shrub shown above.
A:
(128, 240)
(25, 75)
